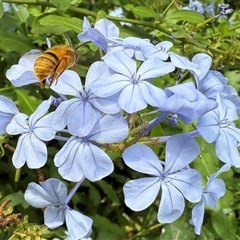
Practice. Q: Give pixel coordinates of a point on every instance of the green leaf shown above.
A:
(144, 12)
(1, 9)
(22, 14)
(100, 14)
(40, 29)
(227, 199)
(94, 195)
(61, 4)
(207, 163)
(224, 28)
(180, 229)
(224, 223)
(178, 32)
(72, 23)
(26, 102)
(16, 198)
(110, 192)
(13, 41)
(185, 15)
(107, 235)
(9, 22)
(206, 234)
(104, 223)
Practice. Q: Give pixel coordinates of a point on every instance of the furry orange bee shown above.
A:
(53, 62)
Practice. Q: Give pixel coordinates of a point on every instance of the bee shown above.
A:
(53, 62)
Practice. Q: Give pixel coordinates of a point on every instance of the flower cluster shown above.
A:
(126, 81)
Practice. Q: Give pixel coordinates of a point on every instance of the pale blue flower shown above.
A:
(8, 110)
(22, 73)
(194, 6)
(52, 195)
(34, 130)
(214, 83)
(187, 102)
(217, 127)
(199, 65)
(82, 156)
(118, 12)
(132, 46)
(175, 179)
(105, 35)
(83, 111)
(102, 35)
(214, 189)
(132, 85)
(159, 50)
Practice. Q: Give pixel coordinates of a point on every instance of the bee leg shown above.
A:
(60, 68)
(42, 83)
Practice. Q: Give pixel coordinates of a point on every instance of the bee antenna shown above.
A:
(68, 39)
(81, 45)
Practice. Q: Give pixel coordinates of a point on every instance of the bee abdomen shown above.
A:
(45, 65)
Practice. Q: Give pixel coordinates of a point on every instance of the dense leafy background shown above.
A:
(191, 33)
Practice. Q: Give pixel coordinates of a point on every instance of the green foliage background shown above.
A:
(28, 27)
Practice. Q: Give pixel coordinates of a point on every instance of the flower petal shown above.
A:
(55, 189)
(107, 28)
(63, 113)
(172, 204)
(180, 151)
(30, 150)
(121, 63)
(68, 160)
(141, 193)
(22, 73)
(68, 83)
(189, 182)
(96, 164)
(53, 217)
(78, 225)
(108, 86)
(40, 111)
(154, 67)
(131, 99)
(18, 125)
(142, 159)
(110, 129)
(81, 123)
(197, 217)
(154, 96)
(43, 128)
(37, 197)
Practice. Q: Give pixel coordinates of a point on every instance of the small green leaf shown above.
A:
(224, 223)
(9, 22)
(37, 28)
(16, 198)
(144, 12)
(100, 14)
(110, 192)
(94, 195)
(185, 15)
(179, 229)
(103, 234)
(22, 14)
(26, 102)
(61, 4)
(105, 224)
(177, 31)
(13, 41)
(1, 9)
(72, 23)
